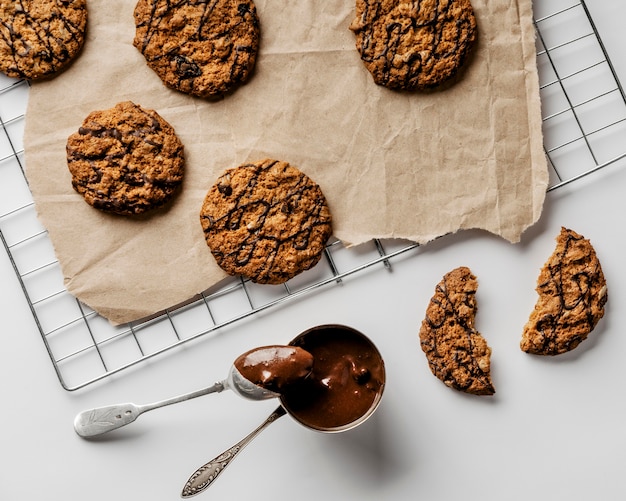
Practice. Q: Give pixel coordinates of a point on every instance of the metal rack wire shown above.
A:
(583, 102)
(583, 129)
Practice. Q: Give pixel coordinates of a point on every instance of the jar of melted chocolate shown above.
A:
(345, 385)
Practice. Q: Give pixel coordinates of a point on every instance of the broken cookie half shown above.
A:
(572, 294)
(456, 352)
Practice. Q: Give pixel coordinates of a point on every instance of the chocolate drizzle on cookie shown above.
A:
(572, 294)
(203, 48)
(126, 160)
(414, 45)
(39, 38)
(456, 352)
(266, 221)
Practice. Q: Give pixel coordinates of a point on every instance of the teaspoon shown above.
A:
(93, 422)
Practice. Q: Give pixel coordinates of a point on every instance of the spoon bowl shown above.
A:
(246, 388)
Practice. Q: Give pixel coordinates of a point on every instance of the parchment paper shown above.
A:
(391, 164)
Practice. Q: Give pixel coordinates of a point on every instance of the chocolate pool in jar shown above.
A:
(345, 384)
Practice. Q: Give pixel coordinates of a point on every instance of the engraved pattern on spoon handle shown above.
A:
(104, 419)
(206, 474)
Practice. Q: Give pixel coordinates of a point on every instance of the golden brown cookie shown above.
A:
(414, 45)
(125, 160)
(266, 221)
(572, 294)
(205, 49)
(456, 352)
(38, 38)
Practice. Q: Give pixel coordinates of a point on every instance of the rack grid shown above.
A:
(584, 123)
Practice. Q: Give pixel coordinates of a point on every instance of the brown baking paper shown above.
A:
(398, 165)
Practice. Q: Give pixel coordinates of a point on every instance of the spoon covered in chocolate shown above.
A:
(258, 374)
(272, 368)
(341, 392)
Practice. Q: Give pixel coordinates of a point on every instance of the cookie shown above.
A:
(206, 49)
(409, 45)
(572, 294)
(126, 160)
(456, 352)
(38, 38)
(266, 221)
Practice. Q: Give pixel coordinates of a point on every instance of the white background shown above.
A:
(554, 430)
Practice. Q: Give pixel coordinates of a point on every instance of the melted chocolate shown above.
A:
(346, 383)
(275, 368)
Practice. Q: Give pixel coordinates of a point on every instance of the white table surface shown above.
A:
(554, 430)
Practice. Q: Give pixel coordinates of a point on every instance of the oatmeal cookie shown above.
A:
(125, 160)
(572, 294)
(456, 352)
(266, 221)
(205, 49)
(38, 38)
(408, 45)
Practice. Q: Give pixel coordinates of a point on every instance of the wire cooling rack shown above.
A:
(584, 122)
(583, 102)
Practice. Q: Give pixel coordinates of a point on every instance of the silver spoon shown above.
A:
(93, 422)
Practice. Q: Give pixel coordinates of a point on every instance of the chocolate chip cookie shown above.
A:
(266, 221)
(414, 45)
(456, 352)
(572, 294)
(38, 38)
(126, 160)
(205, 49)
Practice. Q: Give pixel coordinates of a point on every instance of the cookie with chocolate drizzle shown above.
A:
(572, 294)
(125, 160)
(266, 221)
(456, 352)
(409, 45)
(39, 38)
(206, 49)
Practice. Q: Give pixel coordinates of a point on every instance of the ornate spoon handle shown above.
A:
(206, 474)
